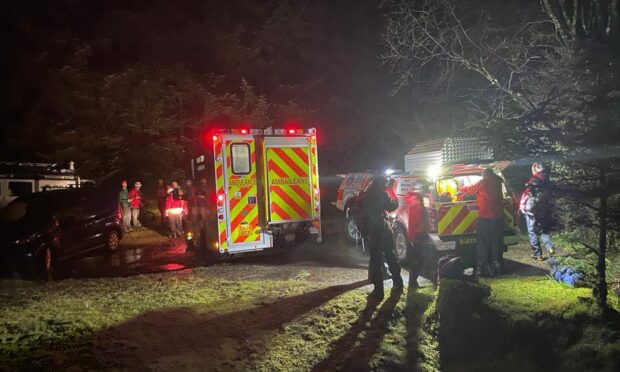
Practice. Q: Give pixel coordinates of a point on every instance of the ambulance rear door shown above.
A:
(289, 189)
(244, 230)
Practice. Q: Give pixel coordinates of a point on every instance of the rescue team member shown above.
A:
(190, 199)
(161, 193)
(490, 223)
(536, 208)
(123, 199)
(373, 205)
(202, 202)
(135, 201)
(176, 208)
(417, 231)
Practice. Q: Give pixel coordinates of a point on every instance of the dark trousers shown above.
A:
(490, 241)
(380, 246)
(416, 256)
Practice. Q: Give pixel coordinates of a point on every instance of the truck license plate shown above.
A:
(468, 240)
(245, 230)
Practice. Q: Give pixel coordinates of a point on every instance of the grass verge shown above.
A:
(196, 321)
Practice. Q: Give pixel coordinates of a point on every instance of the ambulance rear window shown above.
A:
(240, 158)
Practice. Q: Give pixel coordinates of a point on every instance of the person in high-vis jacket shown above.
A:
(536, 208)
(176, 208)
(490, 223)
(373, 205)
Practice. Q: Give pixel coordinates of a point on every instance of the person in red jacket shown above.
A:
(135, 201)
(490, 223)
(161, 193)
(417, 230)
(537, 209)
(176, 208)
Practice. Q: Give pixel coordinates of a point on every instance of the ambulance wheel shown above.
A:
(401, 246)
(351, 230)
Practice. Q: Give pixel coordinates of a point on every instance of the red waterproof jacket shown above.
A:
(488, 193)
(175, 206)
(528, 197)
(135, 197)
(417, 224)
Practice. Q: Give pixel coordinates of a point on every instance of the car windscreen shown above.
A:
(447, 188)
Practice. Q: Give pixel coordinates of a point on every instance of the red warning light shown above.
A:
(220, 197)
(244, 131)
(291, 131)
(214, 138)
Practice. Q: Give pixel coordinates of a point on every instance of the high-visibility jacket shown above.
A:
(175, 206)
(489, 197)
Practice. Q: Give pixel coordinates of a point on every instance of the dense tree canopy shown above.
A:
(543, 84)
(110, 73)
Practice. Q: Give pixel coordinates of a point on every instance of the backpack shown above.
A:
(450, 267)
(564, 274)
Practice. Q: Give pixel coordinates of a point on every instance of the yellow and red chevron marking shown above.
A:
(290, 192)
(243, 215)
(456, 219)
(314, 164)
(219, 187)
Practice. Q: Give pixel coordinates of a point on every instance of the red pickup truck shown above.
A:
(451, 216)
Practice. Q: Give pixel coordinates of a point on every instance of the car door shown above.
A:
(98, 212)
(74, 230)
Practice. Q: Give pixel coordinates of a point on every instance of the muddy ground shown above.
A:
(299, 310)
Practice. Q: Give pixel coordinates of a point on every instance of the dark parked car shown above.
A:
(39, 230)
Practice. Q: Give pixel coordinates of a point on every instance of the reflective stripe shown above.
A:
(290, 184)
(243, 215)
(175, 211)
(219, 187)
(460, 218)
(456, 219)
(314, 165)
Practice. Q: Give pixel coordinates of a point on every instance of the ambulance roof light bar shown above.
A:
(268, 131)
(241, 131)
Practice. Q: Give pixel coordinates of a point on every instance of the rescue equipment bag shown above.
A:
(564, 274)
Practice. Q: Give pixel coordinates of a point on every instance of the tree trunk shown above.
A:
(601, 280)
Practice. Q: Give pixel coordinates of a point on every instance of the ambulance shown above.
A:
(263, 187)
